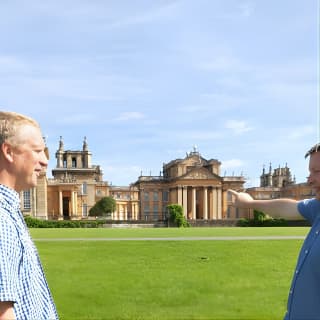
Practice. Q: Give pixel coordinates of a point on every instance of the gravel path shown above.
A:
(222, 238)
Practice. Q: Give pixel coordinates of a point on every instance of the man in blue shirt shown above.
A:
(304, 295)
(24, 292)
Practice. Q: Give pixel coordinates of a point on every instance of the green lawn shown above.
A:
(169, 279)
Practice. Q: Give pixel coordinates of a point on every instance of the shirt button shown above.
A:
(306, 251)
(317, 232)
(297, 271)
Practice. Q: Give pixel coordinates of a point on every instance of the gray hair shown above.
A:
(10, 122)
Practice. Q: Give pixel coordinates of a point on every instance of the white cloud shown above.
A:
(301, 132)
(246, 9)
(11, 62)
(121, 175)
(222, 63)
(238, 127)
(76, 118)
(148, 16)
(132, 115)
(232, 163)
(232, 167)
(196, 135)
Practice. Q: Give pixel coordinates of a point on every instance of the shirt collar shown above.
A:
(9, 196)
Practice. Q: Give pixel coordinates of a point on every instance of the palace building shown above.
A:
(193, 182)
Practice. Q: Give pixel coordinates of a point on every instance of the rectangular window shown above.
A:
(155, 212)
(146, 196)
(26, 200)
(229, 212)
(155, 196)
(146, 212)
(74, 162)
(84, 210)
(84, 188)
(165, 196)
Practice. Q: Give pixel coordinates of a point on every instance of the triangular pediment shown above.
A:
(200, 174)
(193, 160)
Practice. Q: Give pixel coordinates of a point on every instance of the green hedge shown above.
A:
(262, 223)
(37, 223)
(260, 219)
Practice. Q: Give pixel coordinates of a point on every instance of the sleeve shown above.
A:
(10, 258)
(309, 209)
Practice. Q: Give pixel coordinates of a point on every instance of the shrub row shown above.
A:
(262, 223)
(37, 223)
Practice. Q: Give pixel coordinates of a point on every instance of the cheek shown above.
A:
(27, 160)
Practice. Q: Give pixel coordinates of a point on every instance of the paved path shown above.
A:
(222, 238)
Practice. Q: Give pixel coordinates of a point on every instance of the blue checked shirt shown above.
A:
(22, 279)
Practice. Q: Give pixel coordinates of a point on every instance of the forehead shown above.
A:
(29, 134)
(314, 161)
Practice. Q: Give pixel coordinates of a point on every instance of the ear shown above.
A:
(7, 151)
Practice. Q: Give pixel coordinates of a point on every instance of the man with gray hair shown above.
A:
(24, 292)
(304, 295)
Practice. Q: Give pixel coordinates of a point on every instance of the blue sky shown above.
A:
(145, 81)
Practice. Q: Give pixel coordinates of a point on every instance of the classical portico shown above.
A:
(198, 202)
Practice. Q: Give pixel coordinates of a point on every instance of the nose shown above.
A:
(309, 180)
(44, 159)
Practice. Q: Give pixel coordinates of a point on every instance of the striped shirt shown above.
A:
(22, 279)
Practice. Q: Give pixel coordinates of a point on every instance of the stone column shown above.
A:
(219, 204)
(72, 213)
(194, 203)
(214, 203)
(116, 214)
(134, 212)
(126, 212)
(180, 195)
(75, 203)
(60, 205)
(205, 203)
(185, 201)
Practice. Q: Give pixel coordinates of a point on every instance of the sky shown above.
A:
(147, 81)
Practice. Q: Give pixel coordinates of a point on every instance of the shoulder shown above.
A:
(309, 208)
(309, 203)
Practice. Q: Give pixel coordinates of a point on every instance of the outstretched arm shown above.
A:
(276, 208)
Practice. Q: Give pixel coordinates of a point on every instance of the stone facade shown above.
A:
(193, 182)
(77, 185)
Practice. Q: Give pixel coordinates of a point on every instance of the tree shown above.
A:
(176, 215)
(103, 206)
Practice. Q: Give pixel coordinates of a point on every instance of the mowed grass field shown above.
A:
(169, 279)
